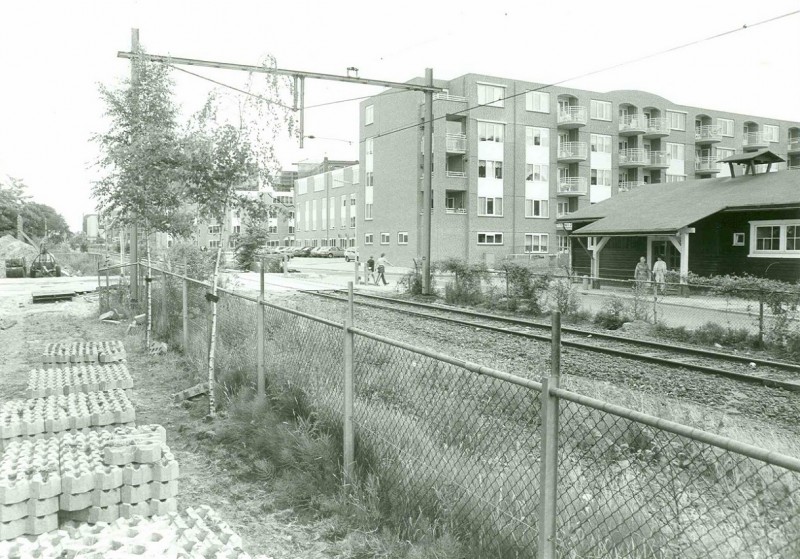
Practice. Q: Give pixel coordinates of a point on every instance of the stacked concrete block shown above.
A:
(30, 484)
(78, 378)
(56, 414)
(197, 534)
(84, 352)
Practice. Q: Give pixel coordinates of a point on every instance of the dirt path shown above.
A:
(208, 476)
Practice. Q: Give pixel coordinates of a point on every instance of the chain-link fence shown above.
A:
(509, 466)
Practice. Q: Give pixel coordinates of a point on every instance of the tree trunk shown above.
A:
(212, 346)
(149, 332)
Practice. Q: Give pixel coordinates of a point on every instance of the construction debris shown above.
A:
(6, 324)
(195, 390)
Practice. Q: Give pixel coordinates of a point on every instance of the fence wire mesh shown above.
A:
(455, 446)
(629, 490)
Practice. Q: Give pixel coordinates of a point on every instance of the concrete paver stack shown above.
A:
(78, 378)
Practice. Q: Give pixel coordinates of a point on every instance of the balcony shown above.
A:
(459, 211)
(706, 164)
(627, 186)
(658, 159)
(630, 125)
(794, 145)
(455, 174)
(633, 157)
(456, 143)
(657, 128)
(708, 134)
(572, 151)
(572, 117)
(572, 186)
(754, 140)
(448, 97)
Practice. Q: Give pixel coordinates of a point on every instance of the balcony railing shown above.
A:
(572, 115)
(455, 174)
(706, 164)
(794, 145)
(633, 156)
(708, 133)
(448, 97)
(657, 127)
(755, 140)
(575, 186)
(462, 211)
(572, 150)
(456, 143)
(633, 123)
(658, 159)
(626, 186)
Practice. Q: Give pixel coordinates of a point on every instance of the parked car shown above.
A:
(331, 252)
(350, 254)
(301, 251)
(315, 251)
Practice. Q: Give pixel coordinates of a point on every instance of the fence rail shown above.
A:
(510, 466)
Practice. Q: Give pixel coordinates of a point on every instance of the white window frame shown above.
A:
(531, 132)
(774, 133)
(602, 177)
(782, 251)
(368, 211)
(534, 170)
(490, 238)
(738, 239)
(675, 178)
(537, 101)
(677, 148)
(499, 93)
(541, 236)
(493, 166)
(386, 238)
(369, 238)
(402, 237)
(483, 206)
(214, 243)
(676, 126)
(497, 131)
(563, 243)
(600, 143)
(369, 114)
(214, 229)
(727, 127)
(600, 110)
(532, 205)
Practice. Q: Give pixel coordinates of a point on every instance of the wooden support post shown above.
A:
(260, 381)
(549, 462)
(348, 435)
(185, 310)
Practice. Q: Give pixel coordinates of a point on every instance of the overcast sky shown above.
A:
(53, 55)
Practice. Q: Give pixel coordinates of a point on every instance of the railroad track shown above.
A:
(748, 369)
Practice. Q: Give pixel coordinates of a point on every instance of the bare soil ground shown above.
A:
(208, 475)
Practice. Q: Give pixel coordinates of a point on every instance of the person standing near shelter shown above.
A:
(660, 274)
(642, 272)
(382, 263)
(371, 271)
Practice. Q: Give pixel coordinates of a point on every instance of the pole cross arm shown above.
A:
(279, 71)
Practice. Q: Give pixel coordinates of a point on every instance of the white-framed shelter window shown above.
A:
(775, 238)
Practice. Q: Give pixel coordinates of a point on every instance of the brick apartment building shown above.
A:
(509, 157)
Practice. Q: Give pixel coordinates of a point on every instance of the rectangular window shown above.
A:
(738, 239)
(771, 133)
(237, 229)
(490, 206)
(368, 211)
(491, 95)
(537, 172)
(600, 110)
(601, 177)
(536, 243)
(368, 239)
(352, 222)
(726, 126)
(677, 121)
(676, 151)
(563, 243)
(402, 238)
(343, 215)
(272, 229)
(780, 239)
(490, 131)
(291, 229)
(600, 143)
(537, 101)
(385, 238)
(537, 136)
(214, 244)
(370, 177)
(490, 169)
(231, 243)
(675, 178)
(537, 208)
(490, 238)
(369, 114)
(768, 238)
(214, 229)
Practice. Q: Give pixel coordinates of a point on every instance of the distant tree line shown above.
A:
(38, 219)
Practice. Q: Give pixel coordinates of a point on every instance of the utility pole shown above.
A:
(134, 236)
(427, 184)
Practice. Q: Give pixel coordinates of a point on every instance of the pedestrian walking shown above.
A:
(660, 274)
(642, 273)
(382, 263)
(371, 271)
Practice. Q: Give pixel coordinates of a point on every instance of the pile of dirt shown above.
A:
(12, 248)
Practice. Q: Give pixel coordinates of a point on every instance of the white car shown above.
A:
(350, 254)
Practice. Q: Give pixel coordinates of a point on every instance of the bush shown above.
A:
(613, 315)
(564, 296)
(199, 262)
(524, 282)
(466, 287)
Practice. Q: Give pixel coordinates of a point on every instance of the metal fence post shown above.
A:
(260, 380)
(549, 461)
(655, 302)
(185, 312)
(357, 266)
(349, 445)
